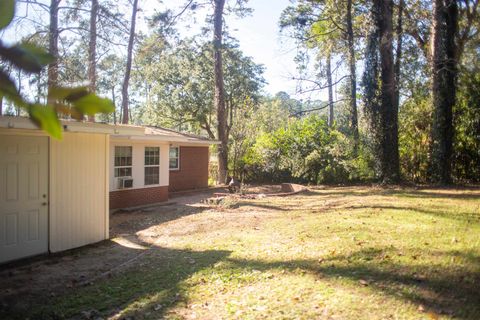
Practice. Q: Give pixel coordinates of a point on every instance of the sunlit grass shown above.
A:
(342, 253)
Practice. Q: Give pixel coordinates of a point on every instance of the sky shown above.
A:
(259, 37)
(258, 34)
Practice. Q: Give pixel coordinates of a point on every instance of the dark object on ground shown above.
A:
(287, 189)
(234, 185)
(292, 188)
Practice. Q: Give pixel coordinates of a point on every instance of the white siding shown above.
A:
(138, 162)
(78, 190)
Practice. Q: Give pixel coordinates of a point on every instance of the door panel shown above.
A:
(23, 196)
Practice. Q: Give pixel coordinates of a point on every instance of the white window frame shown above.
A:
(150, 166)
(178, 158)
(122, 167)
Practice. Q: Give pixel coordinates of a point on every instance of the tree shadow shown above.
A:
(461, 216)
(258, 205)
(157, 282)
(401, 192)
(151, 278)
(438, 195)
(439, 289)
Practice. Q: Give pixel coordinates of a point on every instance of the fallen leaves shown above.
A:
(363, 282)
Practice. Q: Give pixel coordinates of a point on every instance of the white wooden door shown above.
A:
(23, 196)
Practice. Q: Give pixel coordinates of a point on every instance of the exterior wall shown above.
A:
(138, 163)
(140, 194)
(135, 197)
(78, 190)
(193, 171)
(23, 195)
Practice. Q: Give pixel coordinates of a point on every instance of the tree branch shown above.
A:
(317, 109)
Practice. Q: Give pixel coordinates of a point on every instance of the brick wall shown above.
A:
(193, 173)
(136, 197)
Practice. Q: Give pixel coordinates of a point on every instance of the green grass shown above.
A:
(341, 253)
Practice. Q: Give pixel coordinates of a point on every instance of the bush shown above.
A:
(306, 151)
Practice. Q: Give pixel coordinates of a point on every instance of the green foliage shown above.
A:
(179, 79)
(7, 8)
(46, 119)
(466, 154)
(307, 150)
(415, 127)
(28, 58)
(414, 137)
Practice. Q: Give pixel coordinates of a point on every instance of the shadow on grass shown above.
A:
(443, 290)
(258, 205)
(461, 216)
(151, 284)
(436, 193)
(154, 284)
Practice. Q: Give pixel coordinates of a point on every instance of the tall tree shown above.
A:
(53, 45)
(389, 112)
(328, 26)
(219, 97)
(398, 53)
(126, 79)
(379, 82)
(444, 76)
(92, 50)
(331, 116)
(353, 76)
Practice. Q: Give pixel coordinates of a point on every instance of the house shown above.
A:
(57, 195)
(151, 162)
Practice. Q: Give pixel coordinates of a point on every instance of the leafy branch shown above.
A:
(75, 102)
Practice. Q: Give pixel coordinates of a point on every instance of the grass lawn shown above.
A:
(330, 253)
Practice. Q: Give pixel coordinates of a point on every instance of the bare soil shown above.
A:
(330, 253)
(48, 276)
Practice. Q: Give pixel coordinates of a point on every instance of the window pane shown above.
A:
(123, 172)
(151, 175)
(174, 152)
(152, 156)
(173, 155)
(123, 156)
(173, 162)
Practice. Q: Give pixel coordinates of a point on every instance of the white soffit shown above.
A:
(117, 132)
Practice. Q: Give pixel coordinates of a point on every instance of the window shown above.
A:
(174, 157)
(123, 162)
(152, 162)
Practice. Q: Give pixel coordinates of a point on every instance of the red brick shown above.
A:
(193, 173)
(136, 197)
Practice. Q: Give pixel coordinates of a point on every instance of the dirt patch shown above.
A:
(158, 254)
(132, 232)
(262, 188)
(53, 275)
(284, 190)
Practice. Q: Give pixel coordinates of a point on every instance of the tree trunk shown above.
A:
(219, 99)
(444, 75)
(53, 35)
(398, 57)
(19, 77)
(126, 79)
(114, 106)
(353, 77)
(92, 50)
(39, 87)
(331, 117)
(389, 157)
